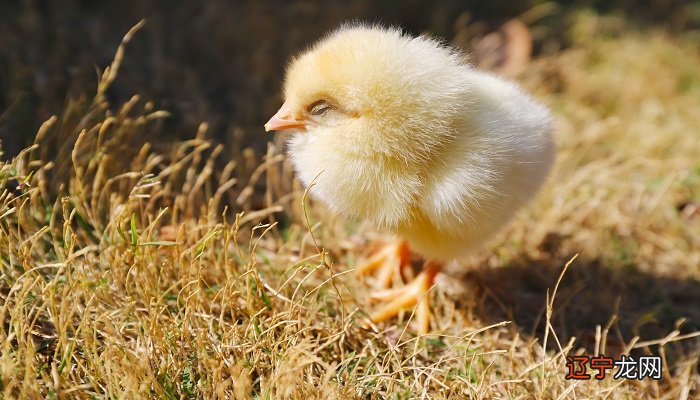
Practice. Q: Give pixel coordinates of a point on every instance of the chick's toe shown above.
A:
(415, 294)
(391, 260)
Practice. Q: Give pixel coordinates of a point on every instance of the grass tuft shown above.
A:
(129, 271)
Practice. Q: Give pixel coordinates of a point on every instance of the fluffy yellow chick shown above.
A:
(400, 131)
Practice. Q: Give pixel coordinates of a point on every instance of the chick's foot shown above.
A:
(416, 293)
(393, 259)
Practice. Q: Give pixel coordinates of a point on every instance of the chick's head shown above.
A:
(367, 106)
(374, 90)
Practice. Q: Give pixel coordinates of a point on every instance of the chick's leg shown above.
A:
(413, 294)
(386, 263)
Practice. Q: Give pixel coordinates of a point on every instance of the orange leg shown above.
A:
(391, 259)
(414, 294)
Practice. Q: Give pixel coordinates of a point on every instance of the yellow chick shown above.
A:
(400, 131)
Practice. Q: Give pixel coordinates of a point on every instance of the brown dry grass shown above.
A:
(132, 274)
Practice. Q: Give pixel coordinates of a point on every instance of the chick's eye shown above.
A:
(319, 108)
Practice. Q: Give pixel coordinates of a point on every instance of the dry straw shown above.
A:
(129, 272)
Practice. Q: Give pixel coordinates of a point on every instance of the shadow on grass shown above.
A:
(631, 302)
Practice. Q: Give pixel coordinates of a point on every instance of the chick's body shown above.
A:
(410, 137)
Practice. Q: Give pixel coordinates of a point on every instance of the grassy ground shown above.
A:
(128, 273)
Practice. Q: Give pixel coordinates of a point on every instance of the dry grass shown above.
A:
(130, 274)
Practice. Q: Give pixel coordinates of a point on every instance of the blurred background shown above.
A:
(222, 61)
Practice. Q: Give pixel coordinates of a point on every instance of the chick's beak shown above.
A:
(284, 119)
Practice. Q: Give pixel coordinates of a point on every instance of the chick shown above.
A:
(398, 130)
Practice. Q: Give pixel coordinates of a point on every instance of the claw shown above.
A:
(392, 258)
(413, 294)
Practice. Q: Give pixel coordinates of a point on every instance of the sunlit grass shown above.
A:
(189, 273)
